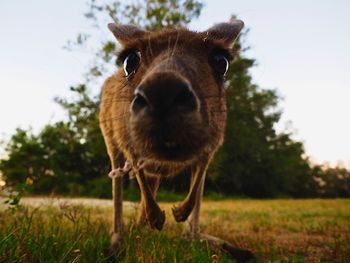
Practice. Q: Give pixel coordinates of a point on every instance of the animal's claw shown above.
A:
(115, 252)
(240, 255)
(156, 218)
(181, 213)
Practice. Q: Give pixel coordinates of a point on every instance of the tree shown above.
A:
(332, 182)
(148, 14)
(70, 156)
(67, 157)
(255, 160)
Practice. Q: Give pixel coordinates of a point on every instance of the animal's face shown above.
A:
(172, 83)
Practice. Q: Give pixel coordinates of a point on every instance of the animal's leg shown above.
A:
(153, 183)
(192, 227)
(192, 231)
(239, 255)
(117, 191)
(184, 209)
(154, 215)
(117, 160)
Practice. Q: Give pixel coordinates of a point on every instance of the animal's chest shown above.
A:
(164, 169)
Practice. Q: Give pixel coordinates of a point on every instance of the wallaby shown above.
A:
(164, 111)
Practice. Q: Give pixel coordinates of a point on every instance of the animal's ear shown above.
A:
(125, 33)
(226, 32)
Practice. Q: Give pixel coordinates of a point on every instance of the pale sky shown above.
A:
(302, 50)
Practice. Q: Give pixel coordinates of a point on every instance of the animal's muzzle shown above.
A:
(163, 94)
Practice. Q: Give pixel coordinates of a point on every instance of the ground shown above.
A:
(76, 230)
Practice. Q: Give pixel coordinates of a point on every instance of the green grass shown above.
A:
(275, 230)
(78, 234)
(162, 195)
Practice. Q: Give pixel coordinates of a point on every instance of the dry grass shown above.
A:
(275, 230)
(312, 230)
(317, 230)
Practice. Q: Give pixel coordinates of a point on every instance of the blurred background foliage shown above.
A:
(69, 157)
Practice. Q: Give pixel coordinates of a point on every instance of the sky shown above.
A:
(301, 48)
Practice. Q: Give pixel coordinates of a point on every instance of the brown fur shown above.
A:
(166, 55)
(185, 53)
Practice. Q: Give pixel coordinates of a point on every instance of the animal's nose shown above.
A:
(140, 101)
(163, 95)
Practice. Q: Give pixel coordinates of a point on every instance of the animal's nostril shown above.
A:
(164, 94)
(139, 102)
(185, 99)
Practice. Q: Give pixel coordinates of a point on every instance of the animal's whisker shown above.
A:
(176, 121)
(150, 47)
(107, 100)
(175, 45)
(112, 119)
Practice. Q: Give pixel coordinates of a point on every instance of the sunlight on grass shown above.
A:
(276, 230)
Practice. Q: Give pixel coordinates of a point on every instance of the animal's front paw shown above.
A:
(190, 231)
(181, 212)
(240, 255)
(116, 240)
(155, 217)
(115, 252)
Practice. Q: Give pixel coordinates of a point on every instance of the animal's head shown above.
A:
(170, 88)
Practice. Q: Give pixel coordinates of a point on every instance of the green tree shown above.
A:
(331, 181)
(255, 160)
(24, 158)
(70, 156)
(148, 14)
(65, 157)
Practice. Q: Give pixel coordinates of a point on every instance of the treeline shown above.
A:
(69, 157)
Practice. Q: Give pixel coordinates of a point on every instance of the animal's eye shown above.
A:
(131, 62)
(220, 64)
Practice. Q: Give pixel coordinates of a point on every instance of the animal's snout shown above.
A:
(163, 94)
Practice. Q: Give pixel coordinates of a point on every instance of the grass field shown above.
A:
(275, 230)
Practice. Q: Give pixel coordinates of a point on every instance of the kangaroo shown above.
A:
(164, 111)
